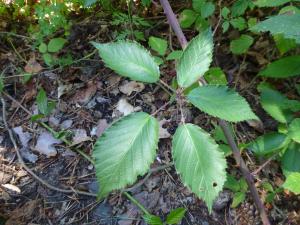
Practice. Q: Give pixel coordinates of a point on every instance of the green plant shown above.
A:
(198, 15)
(238, 187)
(174, 217)
(45, 107)
(285, 143)
(126, 149)
(132, 25)
(54, 46)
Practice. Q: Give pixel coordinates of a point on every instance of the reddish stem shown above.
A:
(224, 125)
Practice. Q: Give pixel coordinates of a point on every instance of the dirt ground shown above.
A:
(89, 97)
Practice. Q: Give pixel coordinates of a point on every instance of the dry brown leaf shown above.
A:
(84, 95)
(33, 66)
(132, 86)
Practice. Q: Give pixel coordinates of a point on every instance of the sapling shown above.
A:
(128, 147)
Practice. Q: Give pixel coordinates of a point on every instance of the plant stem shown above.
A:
(224, 125)
(134, 201)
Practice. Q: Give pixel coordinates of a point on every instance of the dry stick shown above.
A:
(224, 125)
(21, 161)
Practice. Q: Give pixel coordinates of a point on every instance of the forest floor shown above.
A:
(88, 98)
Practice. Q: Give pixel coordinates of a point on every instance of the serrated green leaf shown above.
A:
(282, 68)
(195, 59)
(238, 198)
(268, 143)
(187, 18)
(276, 104)
(284, 45)
(201, 24)
(197, 5)
(225, 26)
(294, 130)
(241, 45)
(207, 9)
(243, 185)
(225, 149)
(56, 44)
(290, 159)
(175, 216)
(287, 24)
(42, 48)
(225, 12)
(129, 59)
(209, 99)
(152, 219)
(158, 44)
(199, 162)
(270, 3)
(239, 23)
(239, 7)
(232, 184)
(292, 183)
(125, 151)
(215, 76)
(174, 55)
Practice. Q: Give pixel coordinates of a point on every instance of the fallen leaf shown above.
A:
(84, 95)
(45, 144)
(63, 89)
(132, 86)
(101, 127)
(66, 124)
(33, 66)
(24, 137)
(80, 135)
(24, 214)
(124, 107)
(163, 132)
(11, 187)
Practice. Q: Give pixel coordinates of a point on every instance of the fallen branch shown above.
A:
(224, 125)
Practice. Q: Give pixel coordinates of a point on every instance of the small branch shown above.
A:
(161, 108)
(174, 23)
(224, 125)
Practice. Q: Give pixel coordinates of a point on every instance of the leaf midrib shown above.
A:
(130, 146)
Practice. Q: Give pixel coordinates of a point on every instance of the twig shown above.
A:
(167, 86)
(21, 161)
(174, 23)
(16, 35)
(263, 165)
(161, 108)
(15, 50)
(224, 125)
(220, 18)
